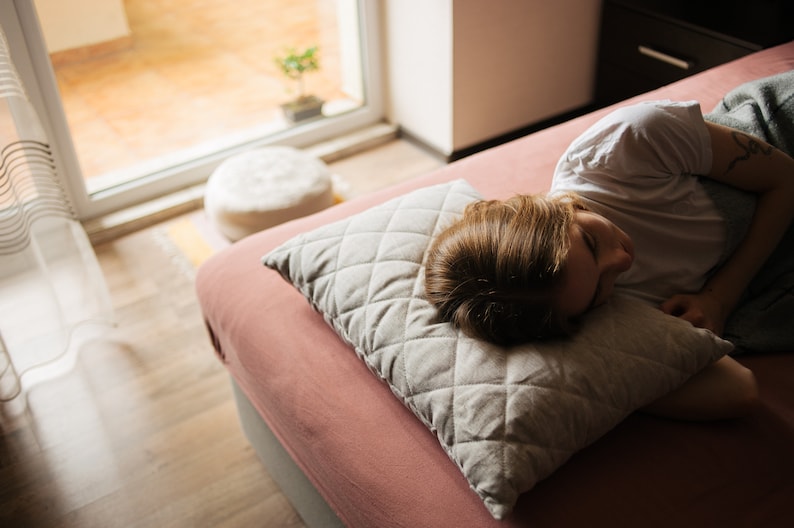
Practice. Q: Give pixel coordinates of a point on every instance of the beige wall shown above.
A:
(69, 24)
(461, 72)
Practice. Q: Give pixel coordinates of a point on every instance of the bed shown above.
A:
(347, 452)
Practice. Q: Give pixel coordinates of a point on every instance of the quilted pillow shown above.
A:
(507, 417)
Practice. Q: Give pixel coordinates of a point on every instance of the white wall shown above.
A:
(461, 72)
(69, 24)
(418, 49)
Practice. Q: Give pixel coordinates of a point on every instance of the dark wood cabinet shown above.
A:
(645, 44)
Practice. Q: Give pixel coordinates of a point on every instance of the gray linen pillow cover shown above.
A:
(507, 417)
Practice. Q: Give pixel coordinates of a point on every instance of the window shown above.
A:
(193, 82)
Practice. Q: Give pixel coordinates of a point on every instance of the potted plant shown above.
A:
(295, 64)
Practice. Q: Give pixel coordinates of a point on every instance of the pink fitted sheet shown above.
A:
(378, 466)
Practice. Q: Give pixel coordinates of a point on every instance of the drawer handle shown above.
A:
(664, 57)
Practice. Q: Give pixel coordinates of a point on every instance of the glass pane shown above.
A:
(195, 77)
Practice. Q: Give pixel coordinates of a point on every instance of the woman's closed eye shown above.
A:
(592, 244)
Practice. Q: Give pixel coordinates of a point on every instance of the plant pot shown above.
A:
(303, 108)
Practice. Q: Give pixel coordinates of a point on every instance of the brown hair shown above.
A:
(493, 272)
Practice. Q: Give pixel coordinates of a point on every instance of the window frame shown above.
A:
(26, 42)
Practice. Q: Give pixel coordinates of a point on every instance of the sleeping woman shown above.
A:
(628, 212)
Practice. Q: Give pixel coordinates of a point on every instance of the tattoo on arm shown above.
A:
(751, 147)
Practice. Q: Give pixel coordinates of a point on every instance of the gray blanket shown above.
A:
(764, 322)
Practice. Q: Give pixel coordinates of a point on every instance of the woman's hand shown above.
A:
(703, 310)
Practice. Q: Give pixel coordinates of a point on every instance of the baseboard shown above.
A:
(83, 53)
(495, 141)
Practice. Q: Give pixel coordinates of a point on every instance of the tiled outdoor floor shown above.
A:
(196, 70)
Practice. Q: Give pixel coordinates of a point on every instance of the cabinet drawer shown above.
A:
(658, 50)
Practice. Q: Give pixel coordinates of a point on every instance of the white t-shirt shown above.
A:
(637, 167)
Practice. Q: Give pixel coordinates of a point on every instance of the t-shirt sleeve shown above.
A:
(649, 140)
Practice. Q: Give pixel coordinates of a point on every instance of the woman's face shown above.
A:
(600, 251)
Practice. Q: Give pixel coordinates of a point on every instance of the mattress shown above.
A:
(375, 464)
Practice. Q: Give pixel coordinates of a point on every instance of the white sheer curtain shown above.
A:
(53, 296)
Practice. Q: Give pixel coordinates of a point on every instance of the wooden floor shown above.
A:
(143, 432)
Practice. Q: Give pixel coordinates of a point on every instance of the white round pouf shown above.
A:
(260, 188)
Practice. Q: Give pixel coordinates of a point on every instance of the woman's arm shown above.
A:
(725, 389)
(750, 164)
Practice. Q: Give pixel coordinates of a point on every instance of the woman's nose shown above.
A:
(618, 260)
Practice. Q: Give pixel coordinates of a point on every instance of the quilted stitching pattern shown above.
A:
(507, 417)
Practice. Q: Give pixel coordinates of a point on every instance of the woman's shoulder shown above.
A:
(651, 114)
(637, 156)
(645, 121)
(653, 138)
